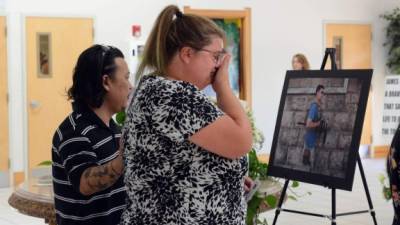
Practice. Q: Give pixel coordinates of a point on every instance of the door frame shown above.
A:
(346, 22)
(245, 75)
(7, 176)
(24, 79)
(354, 22)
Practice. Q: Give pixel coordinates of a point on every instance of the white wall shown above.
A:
(2, 5)
(279, 30)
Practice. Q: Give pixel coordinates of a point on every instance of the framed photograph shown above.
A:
(237, 27)
(318, 128)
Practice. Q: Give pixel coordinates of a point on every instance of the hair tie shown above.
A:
(179, 14)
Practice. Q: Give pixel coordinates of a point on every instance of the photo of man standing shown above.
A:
(315, 125)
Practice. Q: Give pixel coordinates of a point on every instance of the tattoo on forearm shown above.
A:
(101, 177)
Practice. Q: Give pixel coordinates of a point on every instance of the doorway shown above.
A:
(353, 51)
(4, 135)
(52, 49)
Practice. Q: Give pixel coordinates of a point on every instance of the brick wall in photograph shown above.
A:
(339, 110)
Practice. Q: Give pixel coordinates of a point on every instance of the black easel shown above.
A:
(331, 53)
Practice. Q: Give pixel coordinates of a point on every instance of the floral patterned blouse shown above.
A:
(169, 179)
(393, 168)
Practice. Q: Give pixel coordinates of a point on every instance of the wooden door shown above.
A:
(354, 43)
(4, 150)
(52, 49)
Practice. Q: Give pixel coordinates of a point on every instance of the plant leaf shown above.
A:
(120, 118)
(381, 178)
(45, 163)
(292, 197)
(295, 184)
(252, 207)
(271, 200)
(387, 193)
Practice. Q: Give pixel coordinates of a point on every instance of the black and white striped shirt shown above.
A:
(82, 141)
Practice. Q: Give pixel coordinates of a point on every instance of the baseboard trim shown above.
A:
(19, 177)
(380, 151)
(264, 158)
(4, 179)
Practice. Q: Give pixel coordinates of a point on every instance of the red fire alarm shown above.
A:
(136, 30)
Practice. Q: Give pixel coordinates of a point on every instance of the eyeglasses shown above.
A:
(105, 52)
(217, 55)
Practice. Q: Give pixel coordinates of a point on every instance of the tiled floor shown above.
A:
(318, 202)
(9, 216)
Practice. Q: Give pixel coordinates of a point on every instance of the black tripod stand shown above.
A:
(330, 52)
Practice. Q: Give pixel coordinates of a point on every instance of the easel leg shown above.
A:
(333, 219)
(371, 207)
(281, 198)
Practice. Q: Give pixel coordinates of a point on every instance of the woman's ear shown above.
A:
(185, 54)
(106, 82)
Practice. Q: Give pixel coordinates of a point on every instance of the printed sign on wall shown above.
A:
(391, 106)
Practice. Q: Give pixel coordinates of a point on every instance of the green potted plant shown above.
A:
(386, 192)
(257, 171)
(393, 40)
(46, 178)
(266, 197)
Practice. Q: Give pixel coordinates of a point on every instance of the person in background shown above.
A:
(393, 170)
(87, 159)
(185, 157)
(300, 62)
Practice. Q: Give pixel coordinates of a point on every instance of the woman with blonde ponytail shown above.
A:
(184, 156)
